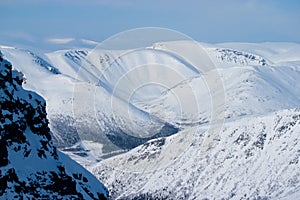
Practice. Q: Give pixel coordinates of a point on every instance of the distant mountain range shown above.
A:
(219, 121)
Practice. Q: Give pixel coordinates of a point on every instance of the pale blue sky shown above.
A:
(209, 21)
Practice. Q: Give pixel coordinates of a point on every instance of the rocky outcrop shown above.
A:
(30, 166)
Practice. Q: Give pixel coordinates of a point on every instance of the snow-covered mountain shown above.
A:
(176, 96)
(96, 104)
(30, 166)
(252, 158)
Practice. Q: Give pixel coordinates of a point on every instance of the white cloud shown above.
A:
(89, 42)
(61, 40)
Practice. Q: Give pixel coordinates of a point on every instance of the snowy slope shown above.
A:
(30, 166)
(264, 84)
(253, 158)
(70, 116)
(249, 90)
(122, 98)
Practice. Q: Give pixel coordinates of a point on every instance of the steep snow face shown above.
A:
(252, 158)
(30, 166)
(141, 75)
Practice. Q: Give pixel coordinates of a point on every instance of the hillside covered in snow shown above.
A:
(252, 158)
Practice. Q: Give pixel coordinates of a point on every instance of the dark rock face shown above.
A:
(30, 166)
(21, 110)
(240, 57)
(43, 63)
